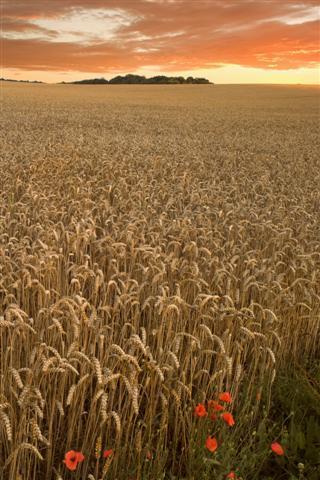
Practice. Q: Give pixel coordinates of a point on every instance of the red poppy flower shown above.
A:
(211, 444)
(107, 453)
(72, 458)
(225, 397)
(276, 448)
(213, 404)
(213, 417)
(228, 418)
(231, 475)
(200, 410)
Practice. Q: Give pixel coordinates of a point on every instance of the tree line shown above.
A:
(140, 79)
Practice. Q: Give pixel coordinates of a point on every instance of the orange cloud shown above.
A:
(173, 35)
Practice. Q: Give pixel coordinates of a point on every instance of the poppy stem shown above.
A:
(96, 471)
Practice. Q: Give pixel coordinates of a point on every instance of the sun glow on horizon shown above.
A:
(227, 74)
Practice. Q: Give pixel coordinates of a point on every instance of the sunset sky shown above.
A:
(226, 41)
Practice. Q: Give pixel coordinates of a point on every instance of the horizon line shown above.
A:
(39, 82)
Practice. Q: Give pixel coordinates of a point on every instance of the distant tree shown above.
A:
(92, 81)
(140, 79)
(201, 80)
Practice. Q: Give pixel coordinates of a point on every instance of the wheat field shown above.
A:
(158, 245)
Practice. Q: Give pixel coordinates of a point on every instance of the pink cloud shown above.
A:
(172, 35)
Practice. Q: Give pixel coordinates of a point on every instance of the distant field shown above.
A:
(159, 245)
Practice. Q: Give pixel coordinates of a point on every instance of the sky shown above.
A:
(226, 41)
